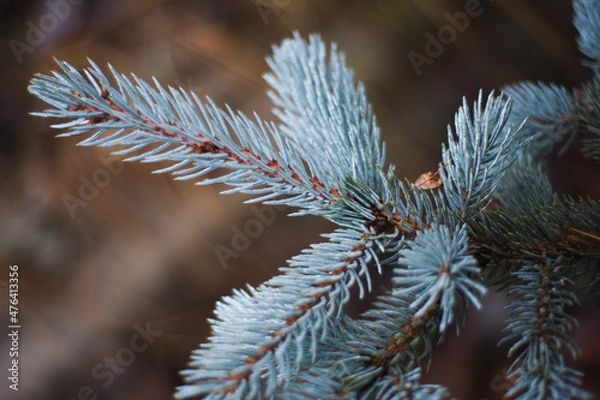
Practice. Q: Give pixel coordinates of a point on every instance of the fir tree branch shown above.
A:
(587, 110)
(529, 223)
(587, 20)
(260, 334)
(478, 154)
(541, 328)
(439, 269)
(556, 229)
(546, 112)
(173, 125)
(552, 112)
(289, 337)
(324, 113)
(358, 354)
(401, 329)
(524, 187)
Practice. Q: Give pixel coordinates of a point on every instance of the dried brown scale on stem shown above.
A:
(429, 180)
(382, 223)
(206, 147)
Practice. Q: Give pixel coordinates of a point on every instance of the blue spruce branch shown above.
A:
(552, 117)
(436, 277)
(541, 330)
(479, 154)
(175, 126)
(487, 216)
(587, 20)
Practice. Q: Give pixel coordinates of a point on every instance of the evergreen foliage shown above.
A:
(487, 217)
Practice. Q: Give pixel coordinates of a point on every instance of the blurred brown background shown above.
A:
(142, 250)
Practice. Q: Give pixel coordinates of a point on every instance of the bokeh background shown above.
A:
(142, 250)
